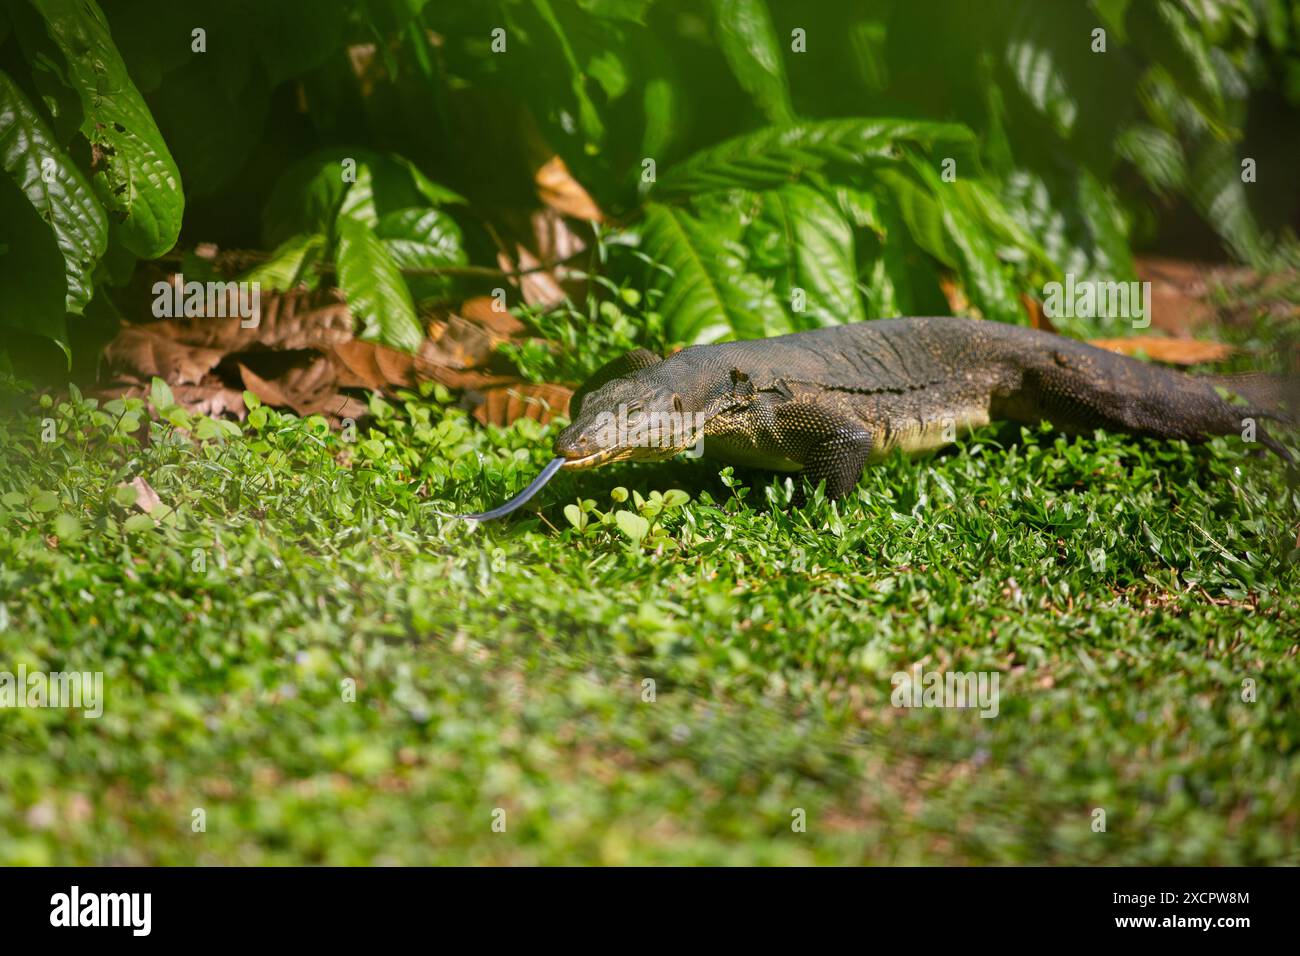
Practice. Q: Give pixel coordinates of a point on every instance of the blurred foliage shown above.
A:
(763, 167)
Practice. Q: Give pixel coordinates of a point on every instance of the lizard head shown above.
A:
(631, 410)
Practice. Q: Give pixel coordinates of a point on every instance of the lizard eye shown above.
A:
(677, 403)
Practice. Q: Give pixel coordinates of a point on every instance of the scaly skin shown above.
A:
(827, 402)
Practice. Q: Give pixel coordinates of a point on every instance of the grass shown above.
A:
(1122, 590)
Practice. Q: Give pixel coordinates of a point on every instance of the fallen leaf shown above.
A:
(503, 404)
(536, 248)
(309, 388)
(140, 352)
(297, 319)
(146, 499)
(1037, 317)
(1170, 351)
(558, 189)
(1178, 293)
(461, 344)
(958, 304)
(482, 309)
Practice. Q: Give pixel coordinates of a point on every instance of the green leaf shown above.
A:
(421, 238)
(291, 264)
(707, 294)
(575, 516)
(588, 116)
(376, 294)
(160, 394)
(45, 501)
(56, 189)
(1156, 155)
(309, 195)
(748, 41)
(1164, 32)
(1220, 197)
(983, 275)
(1106, 223)
(780, 154)
(134, 174)
(1032, 57)
(632, 524)
(421, 241)
(140, 522)
(903, 280)
(436, 193)
(921, 213)
(805, 243)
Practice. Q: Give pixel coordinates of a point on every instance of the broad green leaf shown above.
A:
(633, 11)
(780, 154)
(372, 283)
(212, 109)
(1220, 197)
(55, 188)
(1013, 240)
(1107, 225)
(421, 241)
(436, 193)
(421, 237)
(903, 281)
(748, 41)
(708, 294)
(1164, 32)
(134, 173)
(292, 263)
(593, 127)
(1155, 154)
(358, 199)
(1033, 59)
(308, 196)
(1081, 226)
(921, 213)
(805, 243)
(984, 276)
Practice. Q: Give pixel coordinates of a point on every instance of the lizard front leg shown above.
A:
(832, 446)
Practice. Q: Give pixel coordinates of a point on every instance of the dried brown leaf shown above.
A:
(146, 499)
(139, 352)
(558, 189)
(482, 310)
(1171, 351)
(503, 404)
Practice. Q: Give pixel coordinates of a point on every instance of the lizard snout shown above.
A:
(576, 444)
(572, 443)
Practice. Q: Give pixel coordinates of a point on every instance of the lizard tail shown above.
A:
(1273, 396)
(1270, 396)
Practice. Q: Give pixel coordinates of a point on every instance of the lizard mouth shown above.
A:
(604, 456)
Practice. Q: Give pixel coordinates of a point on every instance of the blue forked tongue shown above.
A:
(521, 499)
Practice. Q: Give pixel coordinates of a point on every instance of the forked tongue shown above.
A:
(521, 499)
